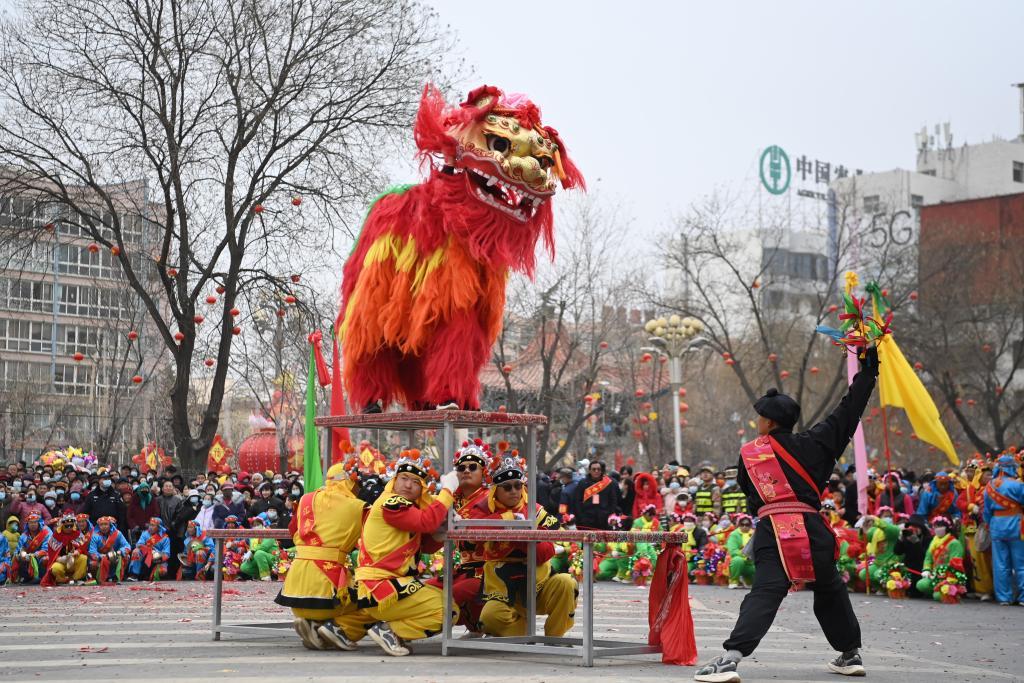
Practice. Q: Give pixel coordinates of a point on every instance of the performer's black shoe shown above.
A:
(382, 634)
(334, 636)
(718, 670)
(847, 665)
(372, 408)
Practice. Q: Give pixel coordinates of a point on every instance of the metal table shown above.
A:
(219, 536)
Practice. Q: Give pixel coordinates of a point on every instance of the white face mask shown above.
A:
(940, 531)
(272, 514)
(207, 503)
(724, 522)
(689, 526)
(705, 523)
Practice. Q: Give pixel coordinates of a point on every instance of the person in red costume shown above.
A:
(66, 562)
(647, 493)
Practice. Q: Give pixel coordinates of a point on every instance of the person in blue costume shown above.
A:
(149, 559)
(32, 553)
(938, 499)
(1004, 501)
(197, 556)
(108, 551)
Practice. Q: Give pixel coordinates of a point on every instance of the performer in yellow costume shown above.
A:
(402, 523)
(504, 612)
(325, 529)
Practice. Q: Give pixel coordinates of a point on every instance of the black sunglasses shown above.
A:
(512, 486)
(471, 467)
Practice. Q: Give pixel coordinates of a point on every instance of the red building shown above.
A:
(972, 251)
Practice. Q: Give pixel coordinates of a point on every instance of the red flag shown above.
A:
(341, 441)
(668, 613)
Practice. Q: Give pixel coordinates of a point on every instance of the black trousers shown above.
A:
(831, 600)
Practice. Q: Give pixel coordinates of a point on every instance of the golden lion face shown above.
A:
(511, 166)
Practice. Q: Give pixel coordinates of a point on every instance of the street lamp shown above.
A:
(676, 336)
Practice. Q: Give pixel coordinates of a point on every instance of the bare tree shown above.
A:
(208, 121)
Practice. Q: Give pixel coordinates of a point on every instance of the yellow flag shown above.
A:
(900, 387)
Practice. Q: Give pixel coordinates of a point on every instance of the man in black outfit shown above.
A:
(596, 497)
(817, 451)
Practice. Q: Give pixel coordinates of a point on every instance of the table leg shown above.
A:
(531, 593)
(446, 630)
(218, 584)
(588, 612)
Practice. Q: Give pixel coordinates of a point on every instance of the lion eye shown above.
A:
(498, 144)
(545, 162)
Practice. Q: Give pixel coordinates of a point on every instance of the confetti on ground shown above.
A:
(89, 649)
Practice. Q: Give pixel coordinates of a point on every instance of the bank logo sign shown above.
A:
(775, 170)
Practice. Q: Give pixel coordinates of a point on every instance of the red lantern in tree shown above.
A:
(986, 348)
(296, 278)
(258, 208)
(833, 308)
(78, 356)
(913, 295)
(913, 436)
(236, 330)
(115, 250)
(220, 289)
(178, 336)
(646, 405)
(899, 432)
(682, 392)
(290, 299)
(684, 422)
(730, 362)
(93, 248)
(502, 409)
(638, 435)
(683, 407)
(815, 370)
(296, 201)
(211, 299)
(133, 335)
(999, 391)
(644, 419)
(971, 401)
(646, 358)
(772, 357)
(885, 293)
(172, 272)
(280, 313)
(49, 227)
(209, 362)
(198, 319)
(639, 393)
(726, 355)
(234, 312)
(959, 401)
(137, 379)
(507, 369)
(756, 284)
(784, 374)
(919, 365)
(603, 345)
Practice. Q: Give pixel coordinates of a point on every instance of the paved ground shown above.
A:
(161, 633)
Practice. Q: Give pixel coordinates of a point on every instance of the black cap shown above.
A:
(778, 408)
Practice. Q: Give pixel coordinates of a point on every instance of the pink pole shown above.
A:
(860, 451)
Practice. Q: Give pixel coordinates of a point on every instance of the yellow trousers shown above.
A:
(982, 575)
(417, 615)
(556, 598)
(78, 570)
(346, 606)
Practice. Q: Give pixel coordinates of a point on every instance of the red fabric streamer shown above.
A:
(323, 375)
(668, 612)
(341, 440)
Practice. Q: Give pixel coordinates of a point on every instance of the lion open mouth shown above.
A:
(502, 195)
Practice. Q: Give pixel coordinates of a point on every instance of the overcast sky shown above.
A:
(664, 101)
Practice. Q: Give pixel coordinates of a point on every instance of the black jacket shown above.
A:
(591, 515)
(185, 513)
(817, 450)
(260, 506)
(106, 503)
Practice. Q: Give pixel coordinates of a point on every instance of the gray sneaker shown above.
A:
(718, 670)
(847, 665)
(389, 642)
(334, 636)
(307, 631)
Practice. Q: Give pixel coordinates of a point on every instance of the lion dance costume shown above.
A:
(423, 291)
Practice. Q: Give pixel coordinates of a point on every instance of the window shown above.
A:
(916, 201)
(1018, 171)
(872, 204)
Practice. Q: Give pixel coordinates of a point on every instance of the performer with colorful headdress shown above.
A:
(504, 612)
(326, 528)
(108, 551)
(260, 558)
(938, 498)
(32, 553)
(423, 292)
(405, 521)
(196, 557)
(66, 563)
(941, 552)
(152, 550)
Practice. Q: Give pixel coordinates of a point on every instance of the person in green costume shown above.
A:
(741, 567)
(881, 536)
(943, 548)
(260, 559)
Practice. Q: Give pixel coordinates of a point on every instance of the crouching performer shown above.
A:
(504, 612)
(394, 604)
(325, 528)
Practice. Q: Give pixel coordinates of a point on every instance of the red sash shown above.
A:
(595, 489)
(34, 545)
(470, 552)
(334, 571)
(764, 470)
(941, 549)
(945, 502)
(82, 544)
(381, 589)
(1007, 503)
(108, 544)
(153, 540)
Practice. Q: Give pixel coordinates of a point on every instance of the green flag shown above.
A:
(313, 474)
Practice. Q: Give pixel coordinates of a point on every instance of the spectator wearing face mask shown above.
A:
(266, 502)
(27, 505)
(233, 503)
(205, 515)
(141, 507)
(105, 501)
